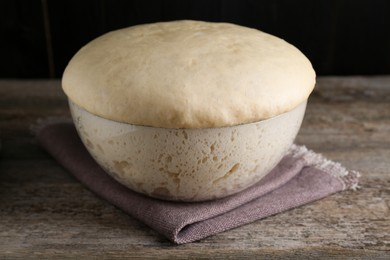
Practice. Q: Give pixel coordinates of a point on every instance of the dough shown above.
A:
(188, 74)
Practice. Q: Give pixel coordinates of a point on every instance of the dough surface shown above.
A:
(188, 74)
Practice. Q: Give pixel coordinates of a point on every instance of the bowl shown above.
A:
(195, 164)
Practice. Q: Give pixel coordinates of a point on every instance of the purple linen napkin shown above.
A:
(301, 177)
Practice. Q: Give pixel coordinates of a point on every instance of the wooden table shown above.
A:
(45, 213)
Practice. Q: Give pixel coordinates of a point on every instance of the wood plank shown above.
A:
(45, 213)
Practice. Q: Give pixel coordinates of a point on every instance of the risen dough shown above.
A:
(188, 74)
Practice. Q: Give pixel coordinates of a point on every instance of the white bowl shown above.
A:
(187, 164)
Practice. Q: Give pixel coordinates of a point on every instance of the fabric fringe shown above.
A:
(350, 179)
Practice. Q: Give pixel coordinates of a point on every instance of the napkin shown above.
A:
(302, 176)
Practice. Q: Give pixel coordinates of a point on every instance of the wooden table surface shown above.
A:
(45, 213)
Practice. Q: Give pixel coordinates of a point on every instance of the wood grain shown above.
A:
(45, 213)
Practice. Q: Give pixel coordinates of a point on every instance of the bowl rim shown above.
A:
(303, 103)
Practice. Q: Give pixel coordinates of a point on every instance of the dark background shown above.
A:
(340, 37)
